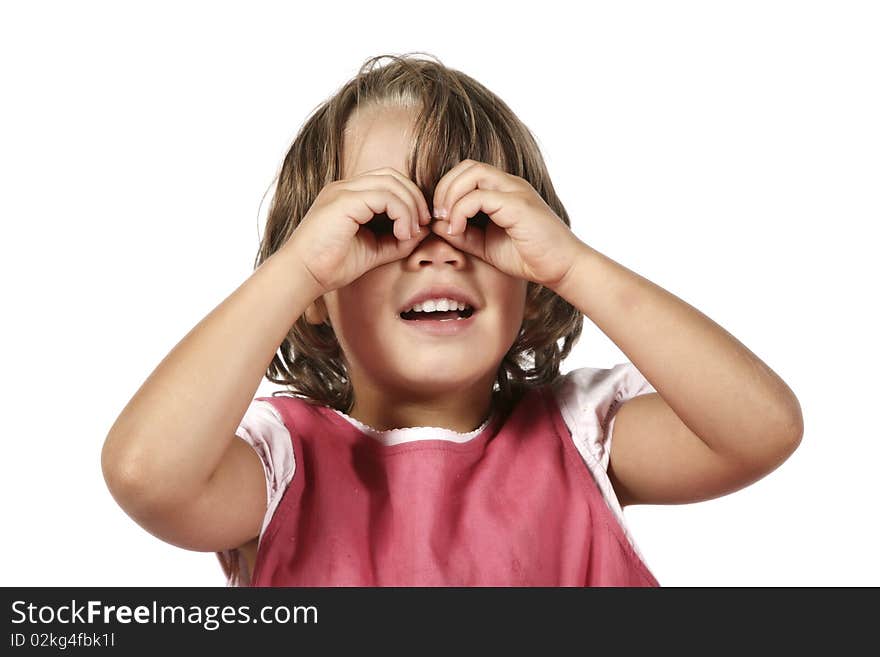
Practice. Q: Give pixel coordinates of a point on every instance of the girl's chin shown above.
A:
(438, 375)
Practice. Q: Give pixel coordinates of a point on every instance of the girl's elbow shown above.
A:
(794, 425)
(788, 435)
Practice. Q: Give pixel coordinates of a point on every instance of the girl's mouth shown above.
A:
(437, 315)
(450, 322)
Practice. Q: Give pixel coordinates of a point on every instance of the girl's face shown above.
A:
(390, 359)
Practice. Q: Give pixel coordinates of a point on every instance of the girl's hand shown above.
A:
(523, 237)
(328, 240)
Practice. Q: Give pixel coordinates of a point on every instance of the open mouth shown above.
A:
(437, 315)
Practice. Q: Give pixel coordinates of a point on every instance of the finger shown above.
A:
(472, 241)
(423, 218)
(377, 200)
(489, 201)
(404, 187)
(421, 202)
(385, 178)
(480, 176)
(421, 213)
(441, 191)
(389, 249)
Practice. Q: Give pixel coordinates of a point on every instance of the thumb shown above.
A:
(471, 241)
(389, 248)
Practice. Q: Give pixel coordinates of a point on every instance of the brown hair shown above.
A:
(457, 118)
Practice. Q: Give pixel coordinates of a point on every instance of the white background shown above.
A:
(727, 151)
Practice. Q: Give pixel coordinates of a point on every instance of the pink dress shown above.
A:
(520, 501)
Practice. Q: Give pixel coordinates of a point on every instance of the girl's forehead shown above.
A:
(376, 143)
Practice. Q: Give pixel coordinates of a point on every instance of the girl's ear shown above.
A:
(316, 313)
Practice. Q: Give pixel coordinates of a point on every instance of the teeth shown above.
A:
(441, 304)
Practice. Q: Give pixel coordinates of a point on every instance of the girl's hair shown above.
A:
(457, 118)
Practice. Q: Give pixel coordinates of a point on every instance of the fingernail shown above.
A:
(449, 230)
(439, 213)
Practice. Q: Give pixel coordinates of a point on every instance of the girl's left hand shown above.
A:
(524, 237)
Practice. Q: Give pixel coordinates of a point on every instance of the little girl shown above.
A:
(415, 279)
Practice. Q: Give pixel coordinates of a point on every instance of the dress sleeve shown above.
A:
(589, 399)
(263, 429)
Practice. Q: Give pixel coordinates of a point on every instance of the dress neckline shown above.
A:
(408, 434)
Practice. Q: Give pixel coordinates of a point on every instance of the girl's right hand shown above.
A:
(328, 240)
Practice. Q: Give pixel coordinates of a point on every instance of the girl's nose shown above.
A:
(435, 250)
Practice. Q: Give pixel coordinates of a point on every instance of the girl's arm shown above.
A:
(171, 459)
(721, 418)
